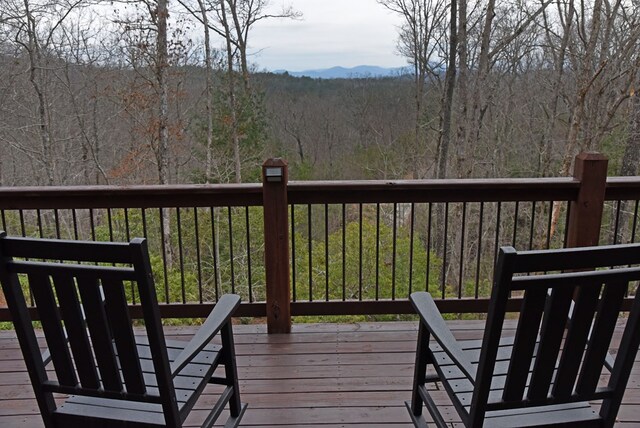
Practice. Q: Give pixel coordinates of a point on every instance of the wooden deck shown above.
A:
(322, 375)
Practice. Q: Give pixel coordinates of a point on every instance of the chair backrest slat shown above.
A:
(75, 326)
(100, 332)
(586, 303)
(603, 328)
(116, 305)
(524, 344)
(551, 332)
(44, 298)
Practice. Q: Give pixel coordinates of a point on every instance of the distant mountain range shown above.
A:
(360, 71)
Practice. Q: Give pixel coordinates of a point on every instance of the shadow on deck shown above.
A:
(321, 375)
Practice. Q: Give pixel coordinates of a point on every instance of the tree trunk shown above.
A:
(232, 96)
(162, 64)
(463, 91)
(478, 102)
(447, 102)
(241, 44)
(36, 78)
(208, 90)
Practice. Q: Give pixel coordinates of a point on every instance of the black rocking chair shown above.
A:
(556, 370)
(104, 375)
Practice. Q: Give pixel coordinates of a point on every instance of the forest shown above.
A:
(152, 91)
(164, 92)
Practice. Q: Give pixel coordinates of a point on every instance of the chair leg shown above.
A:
(420, 397)
(418, 421)
(234, 421)
(420, 369)
(231, 370)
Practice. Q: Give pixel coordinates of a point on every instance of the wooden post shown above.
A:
(585, 216)
(276, 245)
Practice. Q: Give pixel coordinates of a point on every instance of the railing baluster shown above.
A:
(533, 224)
(39, 218)
(444, 249)
(377, 251)
(198, 256)
(635, 221)
(616, 227)
(360, 252)
(92, 224)
(549, 223)
(4, 220)
(430, 217)
(326, 251)
(110, 224)
(74, 219)
(477, 286)
(394, 250)
(515, 224)
(566, 224)
(310, 249)
(411, 237)
(127, 230)
(248, 228)
(23, 229)
(128, 237)
(143, 214)
(344, 253)
(56, 219)
(231, 257)
(294, 263)
(497, 242)
(183, 290)
(462, 258)
(164, 255)
(214, 242)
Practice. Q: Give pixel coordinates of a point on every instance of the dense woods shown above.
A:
(164, 92)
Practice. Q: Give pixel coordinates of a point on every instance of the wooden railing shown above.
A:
(332, 248)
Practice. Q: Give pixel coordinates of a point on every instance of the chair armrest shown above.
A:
(432, 319)
(219, 316)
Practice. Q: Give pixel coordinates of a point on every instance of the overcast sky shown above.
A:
(331, 33)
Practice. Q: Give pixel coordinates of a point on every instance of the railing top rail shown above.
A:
(462, 190)
(622, 188)
(303, 192)
(143, 196)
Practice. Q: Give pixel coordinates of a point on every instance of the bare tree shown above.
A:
(447, 98)
(422, 43)
(32, 25)
(232, 20)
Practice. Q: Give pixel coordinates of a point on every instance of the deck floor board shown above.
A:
(320, 376)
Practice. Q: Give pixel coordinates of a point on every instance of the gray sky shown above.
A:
(331, 33)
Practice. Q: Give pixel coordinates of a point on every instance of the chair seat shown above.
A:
(188, 384)
(578, 414)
